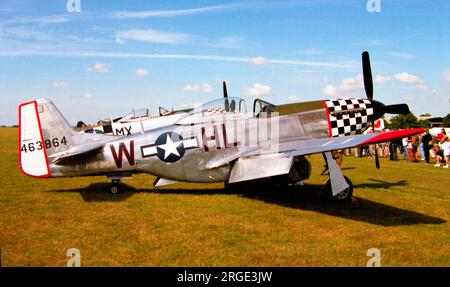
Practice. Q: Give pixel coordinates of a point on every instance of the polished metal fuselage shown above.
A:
(211, 139)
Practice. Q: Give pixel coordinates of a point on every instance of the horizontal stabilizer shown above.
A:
(77, 151)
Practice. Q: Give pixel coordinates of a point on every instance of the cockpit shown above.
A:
(260, 106)
(229, 106)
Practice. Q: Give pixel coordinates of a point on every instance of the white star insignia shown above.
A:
(170, 147)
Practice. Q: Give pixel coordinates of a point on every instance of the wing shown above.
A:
(254, 164)
(305, 147)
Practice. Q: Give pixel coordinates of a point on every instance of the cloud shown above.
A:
(348, 87)
(141, 72)
(119, 41)
(407, 78)
(202, 88)
(99, 68)
(401, 55)
(24, 33)
(446, 75)
(171, 13)
(380, 79)
(218, 58)
(411, 79)
(51, 19)
(258, 60)
(154, 36)
(88, 96)
(293, 98)
(344, 65)
(330, 91)
(259, 90)
(60, 85)
(233, 42)
(422, 87)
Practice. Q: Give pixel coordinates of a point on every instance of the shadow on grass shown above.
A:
(98, 192)
(308, 198)
(381, 184)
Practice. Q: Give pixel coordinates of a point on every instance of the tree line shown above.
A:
(411, 121)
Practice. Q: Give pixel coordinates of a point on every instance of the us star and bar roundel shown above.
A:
(169, 147)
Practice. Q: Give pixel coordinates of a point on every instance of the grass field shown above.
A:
(403, 210)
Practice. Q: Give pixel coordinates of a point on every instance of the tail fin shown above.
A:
(43, 131)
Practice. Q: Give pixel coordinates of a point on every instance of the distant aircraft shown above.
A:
(216, 142)
(139, 121)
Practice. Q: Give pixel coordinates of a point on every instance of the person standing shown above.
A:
(446, 150)
(393, 149)
(410, 148)
(416, 143)
(426, 143)
(422, 150)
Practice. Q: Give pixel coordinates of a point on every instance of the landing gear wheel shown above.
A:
(114, 188)
(344, 196)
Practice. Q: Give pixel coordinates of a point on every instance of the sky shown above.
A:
(110, 57)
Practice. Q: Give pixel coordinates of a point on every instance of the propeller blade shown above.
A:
(401, 109)
(225, 92)
(377, 161)
(367, 74)
(225, 95)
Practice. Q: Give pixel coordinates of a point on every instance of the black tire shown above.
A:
(114, 188)
(344, 196)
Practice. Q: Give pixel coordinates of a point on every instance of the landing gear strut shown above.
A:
(114, 187)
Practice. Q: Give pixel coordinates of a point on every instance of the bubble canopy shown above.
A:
(233, 105)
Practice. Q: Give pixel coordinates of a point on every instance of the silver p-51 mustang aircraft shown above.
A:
(216, 142)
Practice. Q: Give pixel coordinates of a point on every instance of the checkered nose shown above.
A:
(349, 116)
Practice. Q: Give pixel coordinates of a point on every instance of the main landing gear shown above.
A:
(338, 187)
(114, 187)
(345, 195)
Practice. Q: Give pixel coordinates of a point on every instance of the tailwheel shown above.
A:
(114, 188)
(344, 196)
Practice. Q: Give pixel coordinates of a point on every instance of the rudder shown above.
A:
(43, 131)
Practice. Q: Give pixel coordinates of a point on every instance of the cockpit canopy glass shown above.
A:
(222, 106)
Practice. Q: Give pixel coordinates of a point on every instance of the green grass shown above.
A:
(403, 210)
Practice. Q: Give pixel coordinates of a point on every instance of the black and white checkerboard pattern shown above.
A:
(354, 121)
(215, 111)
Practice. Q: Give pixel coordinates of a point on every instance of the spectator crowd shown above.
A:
(423, 147)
